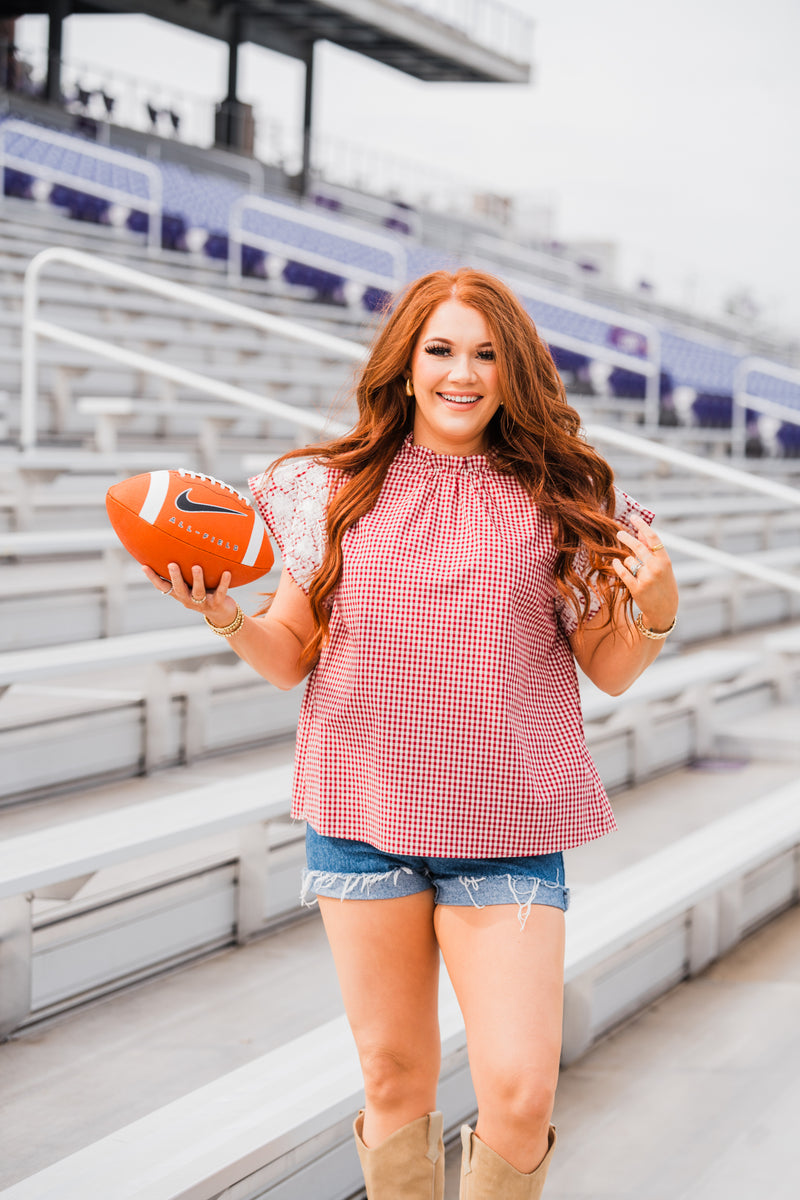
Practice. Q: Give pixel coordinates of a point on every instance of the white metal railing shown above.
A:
(743, 399)
(239, 236)
(152, 205)
(649, 367)
(539, 262)
(34, 327)
(714, 470)
(371, 208)
(693, 462)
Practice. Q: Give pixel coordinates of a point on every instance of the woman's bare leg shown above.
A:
(387, 960)
(509, 984)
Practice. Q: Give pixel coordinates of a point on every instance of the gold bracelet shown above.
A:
(227, 630)
(653, 634)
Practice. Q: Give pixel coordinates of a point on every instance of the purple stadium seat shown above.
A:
(375, 300)
(17, 183)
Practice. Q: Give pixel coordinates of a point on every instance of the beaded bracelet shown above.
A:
(653, 634)
(227, 630)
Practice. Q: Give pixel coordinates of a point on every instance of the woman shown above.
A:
(445, 565)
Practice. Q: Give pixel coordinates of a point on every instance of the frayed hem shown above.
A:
(524, 892)
(347, 886)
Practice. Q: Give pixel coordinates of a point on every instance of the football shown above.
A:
(187, 518)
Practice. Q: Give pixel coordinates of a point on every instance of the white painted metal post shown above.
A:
(33, 326)
(650, 366)
(742, 399)
(29, 373)
(15, 962)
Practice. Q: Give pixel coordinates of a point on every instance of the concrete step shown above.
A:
(172, 1034)
(772, 735)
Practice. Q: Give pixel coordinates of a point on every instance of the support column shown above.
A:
(7, 69)
(234, 41)
(229, 114)
(308, 111)
(58, 12)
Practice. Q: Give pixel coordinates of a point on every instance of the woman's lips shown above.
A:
(456, 400)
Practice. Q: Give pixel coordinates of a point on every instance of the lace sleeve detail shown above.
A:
(292, 501)
(626, 506)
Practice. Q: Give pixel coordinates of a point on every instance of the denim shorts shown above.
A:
(350, 870)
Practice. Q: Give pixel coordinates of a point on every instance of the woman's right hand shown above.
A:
(217, 605)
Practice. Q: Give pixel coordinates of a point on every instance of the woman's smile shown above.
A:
(454, 374)
(460, 399)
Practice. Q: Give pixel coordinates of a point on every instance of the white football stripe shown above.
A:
(156, 495)
(256, 538)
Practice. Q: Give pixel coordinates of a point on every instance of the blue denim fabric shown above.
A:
(350, 870)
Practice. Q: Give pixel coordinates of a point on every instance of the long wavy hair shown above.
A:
(535, 435)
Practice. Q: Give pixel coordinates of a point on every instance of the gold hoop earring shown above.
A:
(409, 387)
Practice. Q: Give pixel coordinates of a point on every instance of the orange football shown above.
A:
(190, 519)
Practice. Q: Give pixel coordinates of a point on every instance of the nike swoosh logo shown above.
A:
(189, 506)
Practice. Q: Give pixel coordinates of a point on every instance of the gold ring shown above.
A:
(658, 546)
(202, 600)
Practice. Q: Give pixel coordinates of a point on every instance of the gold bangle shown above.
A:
(227, 630)
(653, 634)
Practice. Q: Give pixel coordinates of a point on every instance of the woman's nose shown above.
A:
(461, 368)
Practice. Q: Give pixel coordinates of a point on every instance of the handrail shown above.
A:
(153, 206)
(370, 207)
(539, 261)
(239, 236)
(650, 367)
(742, 399)
(692, 462)
(732, 562)
(33, 327)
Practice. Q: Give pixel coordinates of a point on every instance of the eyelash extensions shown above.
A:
(440, 351)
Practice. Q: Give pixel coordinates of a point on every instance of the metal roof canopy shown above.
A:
(389, 31)
(386, 30)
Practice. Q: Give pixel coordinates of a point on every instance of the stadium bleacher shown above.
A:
(102, 690)
(323, 255)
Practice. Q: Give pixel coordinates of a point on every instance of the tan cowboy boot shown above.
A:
(408, 1165)
(487, 1176)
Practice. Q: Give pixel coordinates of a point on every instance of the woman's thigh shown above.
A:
(387, 961)
(509, 984)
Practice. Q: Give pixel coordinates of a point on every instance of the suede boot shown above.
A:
(408, 1165)
(487, 1176)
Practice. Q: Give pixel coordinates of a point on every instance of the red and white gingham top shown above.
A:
(443, 717)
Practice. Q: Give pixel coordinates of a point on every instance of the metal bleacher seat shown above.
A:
(282, 1122)
(58, 861)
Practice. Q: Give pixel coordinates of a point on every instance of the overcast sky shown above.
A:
(670, 129)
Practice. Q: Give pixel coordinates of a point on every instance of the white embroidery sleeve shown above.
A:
(292, 501)
(625, 507)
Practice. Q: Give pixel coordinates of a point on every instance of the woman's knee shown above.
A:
(522, 1097)
(391, 1072)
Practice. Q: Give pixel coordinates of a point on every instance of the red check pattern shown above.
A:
(443, 717)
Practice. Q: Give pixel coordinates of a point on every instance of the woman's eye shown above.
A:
(486, 355)
(438, 350)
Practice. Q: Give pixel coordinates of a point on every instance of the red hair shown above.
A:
(535, 435)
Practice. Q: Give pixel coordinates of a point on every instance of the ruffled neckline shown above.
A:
(429, 459)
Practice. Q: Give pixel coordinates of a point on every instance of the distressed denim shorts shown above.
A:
(350, 870)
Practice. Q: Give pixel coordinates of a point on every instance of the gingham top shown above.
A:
(443, 717)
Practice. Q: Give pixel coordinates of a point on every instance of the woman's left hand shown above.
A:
(648, 576)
